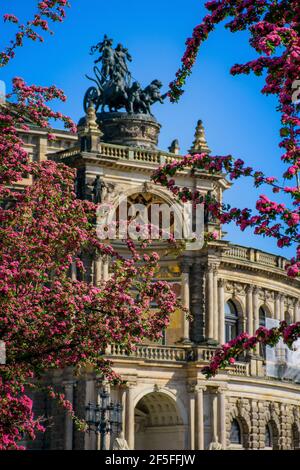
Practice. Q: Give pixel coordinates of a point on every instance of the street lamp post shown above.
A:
(104, 418)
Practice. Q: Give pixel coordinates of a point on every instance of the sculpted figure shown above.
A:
(122, 55)
(151, 94)
(215, 445)
(113, 83)
(98, 187)
(120, 84)
(120, 443)
(136, 103)
(107, 58)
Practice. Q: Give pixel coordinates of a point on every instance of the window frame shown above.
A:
(269, 431)
(231, 320)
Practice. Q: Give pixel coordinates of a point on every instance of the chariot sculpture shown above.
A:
(115, 88)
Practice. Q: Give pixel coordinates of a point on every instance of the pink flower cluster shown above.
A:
(48, 320)
(272, 219)
(274, 34)
(54, 10)
(227, 354)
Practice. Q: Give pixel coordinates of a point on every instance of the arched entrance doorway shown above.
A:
(158, 424)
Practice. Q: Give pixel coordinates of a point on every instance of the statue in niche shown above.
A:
(99, 188)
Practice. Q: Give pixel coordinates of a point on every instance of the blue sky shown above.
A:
(237, 118)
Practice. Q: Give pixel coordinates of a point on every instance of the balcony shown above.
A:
(174, 354)
(251, 255)
(122, 152)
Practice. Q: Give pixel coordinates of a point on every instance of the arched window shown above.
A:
(295, 437)
(268, 437)
(235, 433)
(231, 321)
(288, 317)
(262, 317)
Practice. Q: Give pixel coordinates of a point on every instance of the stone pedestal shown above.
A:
(135, 130)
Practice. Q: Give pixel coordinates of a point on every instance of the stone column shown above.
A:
(221, 311)
(249, 309)
(129, 418)
(192, 418)
(214, 414)
(199, 389)
(255, 310)
(277, 306)
(255, 316)
(216, 313)
(106, 269)
(282, 307)
(297, 311)
(294, 310)
(210, 303)
(73, 272)
(97, 270)
(123, 399)
(69, 395)
(185, 299)
(42, 148)
(222, 417)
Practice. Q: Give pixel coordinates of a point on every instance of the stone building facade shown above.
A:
(39, 148)
(167, 403)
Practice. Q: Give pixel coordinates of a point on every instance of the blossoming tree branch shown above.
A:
(47, 320)
(274, 27)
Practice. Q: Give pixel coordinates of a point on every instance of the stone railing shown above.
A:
(203, 354)
(121, 152)
(267, 259)
(114, 151)
(152, 353)
(239, 368)
(65, 153)
(236, 252)
(175, 354)
(136, 154)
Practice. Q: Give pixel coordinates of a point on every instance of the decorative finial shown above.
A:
(91, 119)
(89, 132)
(200, 143)
(174, 147)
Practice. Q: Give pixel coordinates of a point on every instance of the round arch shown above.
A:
(272, 421)
(151, 189)
(267, 309)
(243, 420)
(110, 209)
(295, 434)
(159, 425)
(234, 327)
(288, 316)
(173, 396)
(237, 303)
